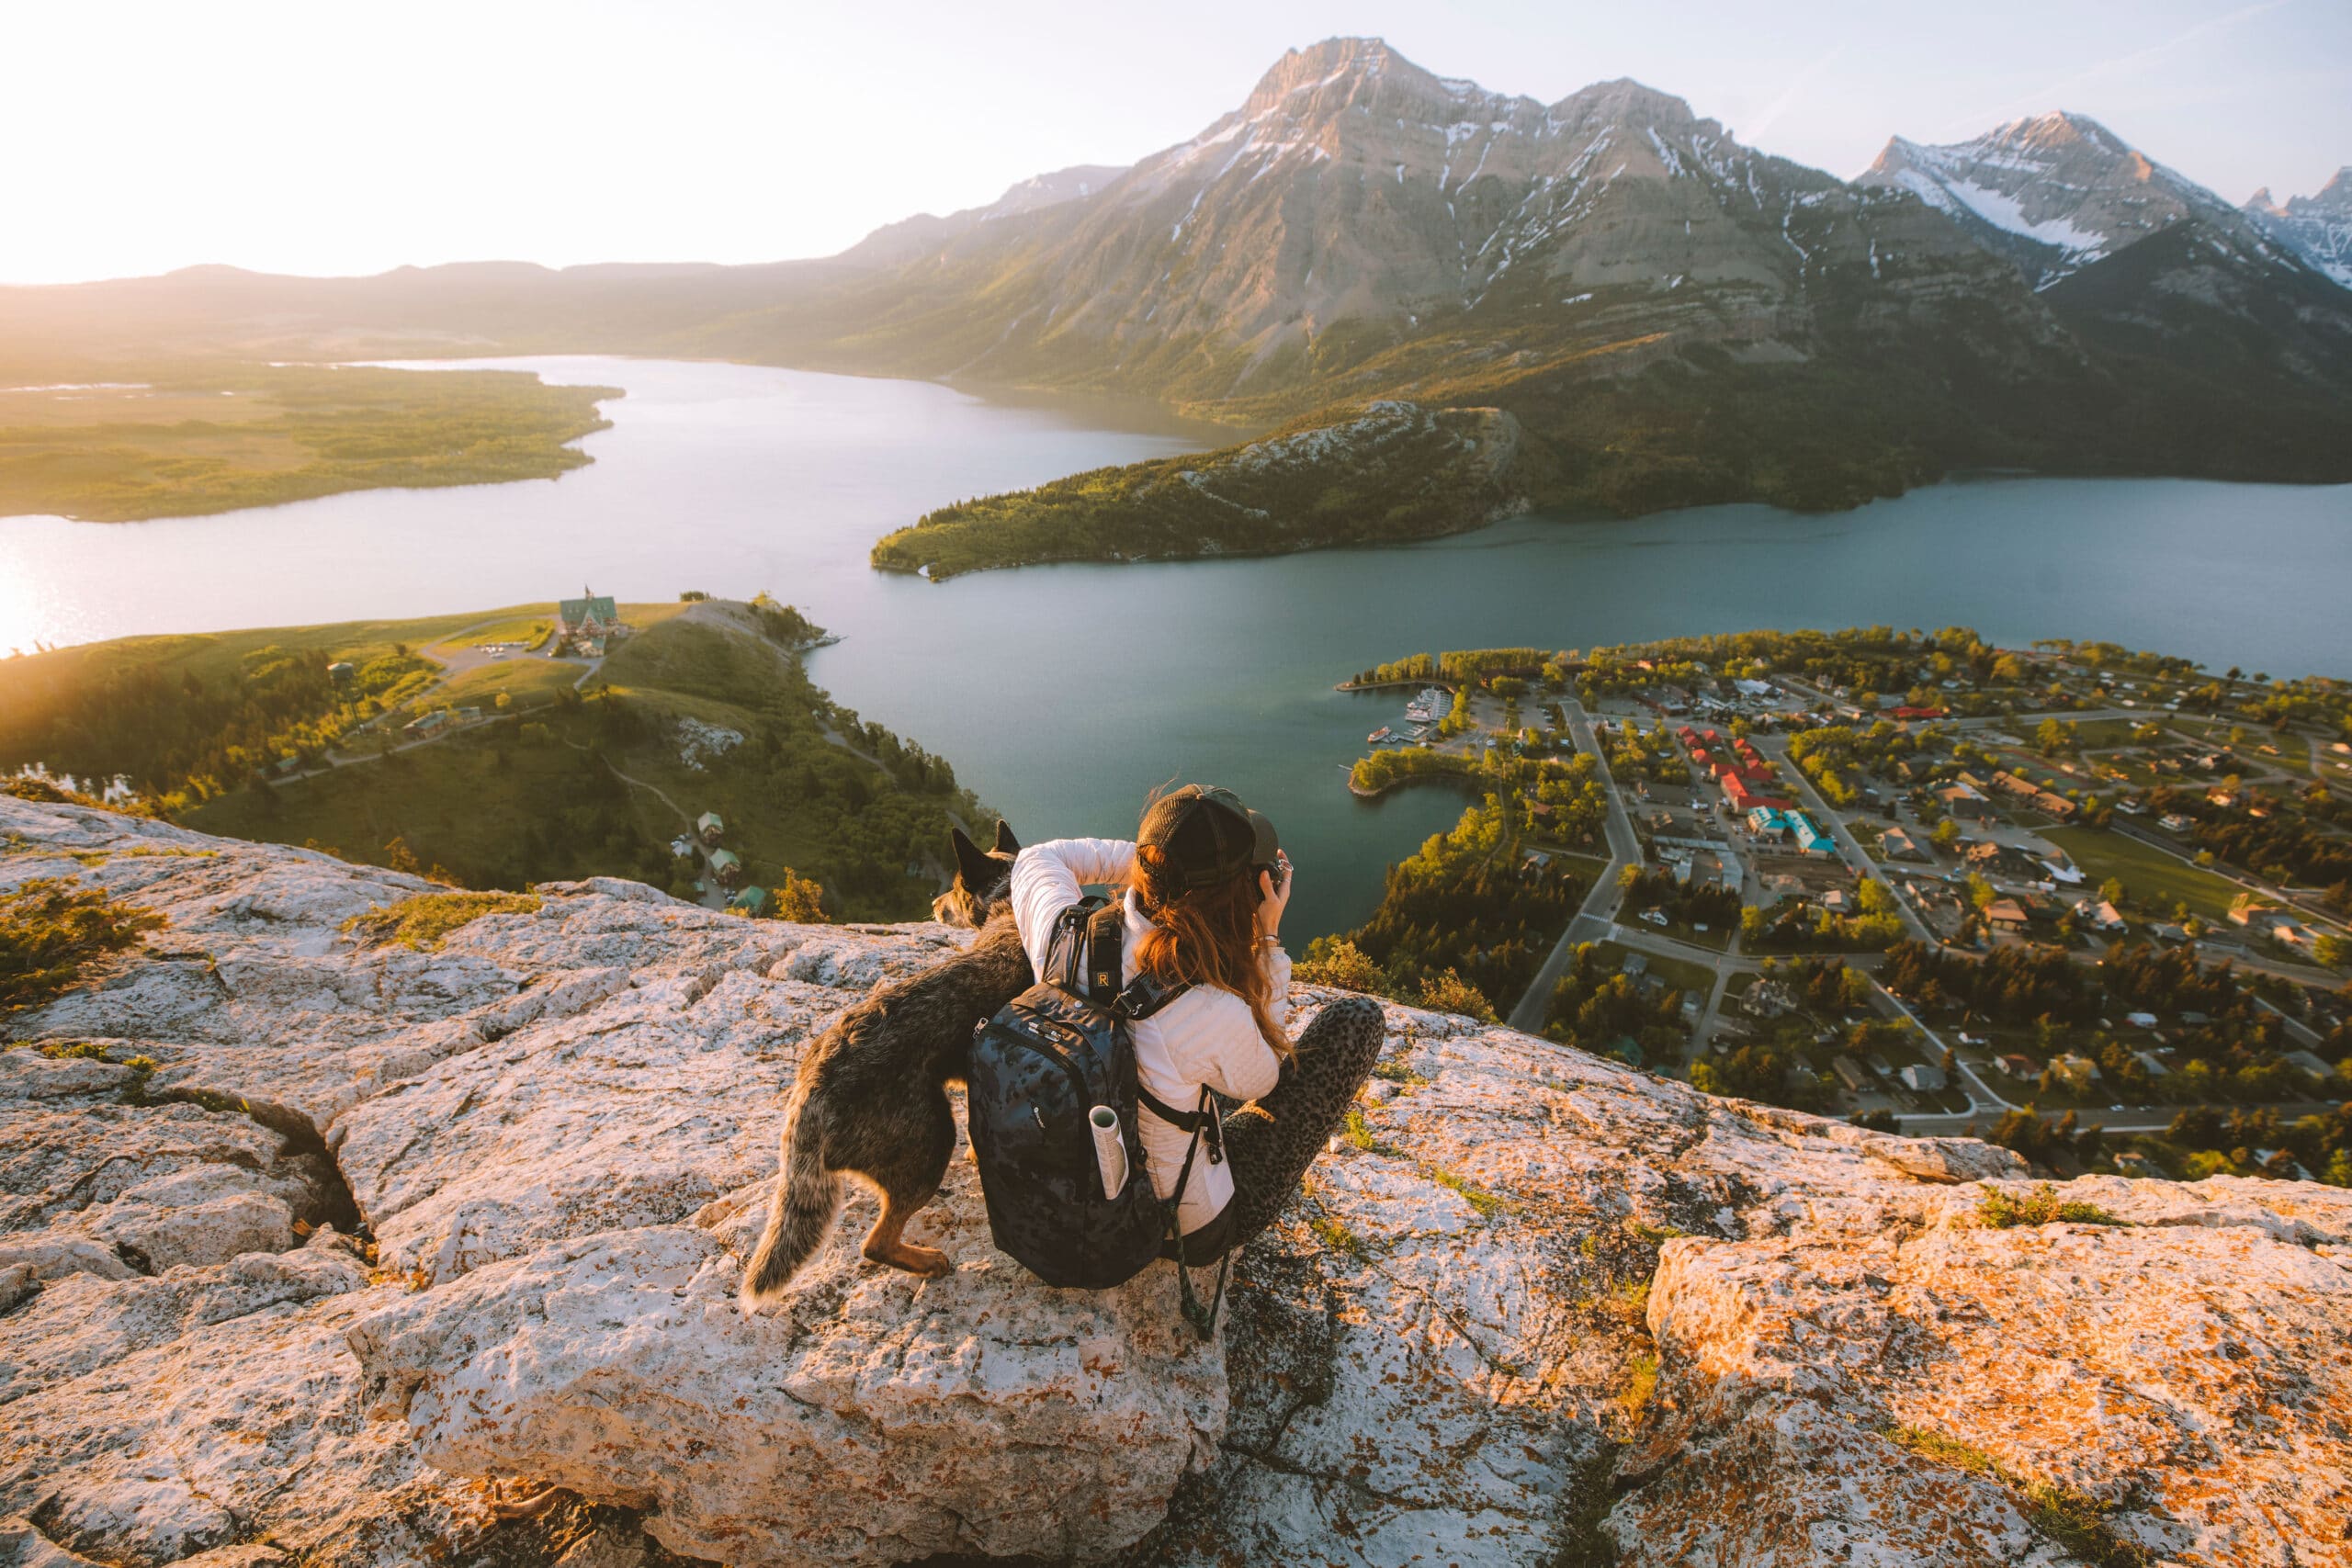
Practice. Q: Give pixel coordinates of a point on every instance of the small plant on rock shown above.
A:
(1449, 992)
(1334, 960)
(1333, 1232)
(1488, 1203)
(50, 928)
(1641, 1387)
(1357, 1133)
(2001, 1210)
(2075, 1521)
(426, 920)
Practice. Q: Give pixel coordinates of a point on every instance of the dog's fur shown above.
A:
(871, 1099)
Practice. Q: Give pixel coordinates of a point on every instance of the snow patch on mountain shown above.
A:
(2003, 210)
(2057, 181)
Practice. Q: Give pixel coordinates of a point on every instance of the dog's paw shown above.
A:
(928, 1261)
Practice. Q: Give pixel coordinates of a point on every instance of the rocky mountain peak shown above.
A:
(2334, 198)
(1345, 61)
(1356, 198)
(2053, 191)
(1365, 80)
(1627, 102)
(2316, 227)
(2057, 128)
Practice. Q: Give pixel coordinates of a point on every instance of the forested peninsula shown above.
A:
(103, 441)
(1390, 470)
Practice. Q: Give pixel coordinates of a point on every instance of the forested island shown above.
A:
(104, 441)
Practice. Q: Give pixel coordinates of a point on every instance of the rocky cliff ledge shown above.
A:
(306, 1245)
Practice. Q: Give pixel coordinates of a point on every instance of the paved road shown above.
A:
(1777, 747)
(1591, 922)
(1981, 1096)
(2130, 1119)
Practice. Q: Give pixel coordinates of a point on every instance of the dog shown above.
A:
(871, 1097)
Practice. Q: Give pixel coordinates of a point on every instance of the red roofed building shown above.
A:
(1744, 798)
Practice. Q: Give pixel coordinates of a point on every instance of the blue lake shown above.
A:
(1063, 693)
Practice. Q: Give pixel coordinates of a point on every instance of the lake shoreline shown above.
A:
(719, 478)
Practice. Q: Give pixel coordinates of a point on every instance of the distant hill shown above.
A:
(894, 244)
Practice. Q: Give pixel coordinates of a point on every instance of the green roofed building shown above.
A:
(752, 902)
(585, 625)
(709, 827)
(728, 866)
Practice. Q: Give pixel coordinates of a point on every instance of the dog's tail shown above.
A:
(807, 1198)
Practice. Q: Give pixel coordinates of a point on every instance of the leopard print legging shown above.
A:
(1270, 1144)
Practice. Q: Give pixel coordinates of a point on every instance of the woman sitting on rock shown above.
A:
(1205, 886)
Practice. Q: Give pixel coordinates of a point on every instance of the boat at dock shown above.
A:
(1431, 706)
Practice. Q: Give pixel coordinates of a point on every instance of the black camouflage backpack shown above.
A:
(1038, 1070)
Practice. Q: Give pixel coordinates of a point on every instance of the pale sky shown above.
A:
(333, 136)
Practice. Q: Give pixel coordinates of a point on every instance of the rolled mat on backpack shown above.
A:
(1110, 1149)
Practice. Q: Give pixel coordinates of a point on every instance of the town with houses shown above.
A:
(1997, 861)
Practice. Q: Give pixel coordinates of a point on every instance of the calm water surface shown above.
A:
(1062, 693)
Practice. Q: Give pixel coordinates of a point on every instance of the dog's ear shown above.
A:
(1006, 844)
(973, 869)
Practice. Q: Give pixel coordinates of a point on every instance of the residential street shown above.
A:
(1776, 747)
(1591, 922)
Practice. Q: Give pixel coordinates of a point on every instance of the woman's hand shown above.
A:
(1273, 897)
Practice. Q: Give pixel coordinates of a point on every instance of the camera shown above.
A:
(1278, 869)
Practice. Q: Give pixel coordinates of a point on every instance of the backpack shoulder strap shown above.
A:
(1105, 941)
(1066, 951)
(1107, 932)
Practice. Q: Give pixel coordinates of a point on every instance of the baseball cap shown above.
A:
(1208, 834)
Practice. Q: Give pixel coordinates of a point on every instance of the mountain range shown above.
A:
(2318, 228)
(1671, 317)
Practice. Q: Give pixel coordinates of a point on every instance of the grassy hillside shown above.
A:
(182, 718)
(108, 443)
(568, 783)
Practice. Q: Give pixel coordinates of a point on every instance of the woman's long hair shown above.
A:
(1205, 936)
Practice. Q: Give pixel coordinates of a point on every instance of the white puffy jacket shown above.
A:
(1204, 1036)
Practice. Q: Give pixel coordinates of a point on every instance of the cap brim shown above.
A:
(1268, 844)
